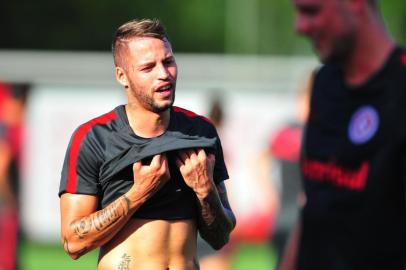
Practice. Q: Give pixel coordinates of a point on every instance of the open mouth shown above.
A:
(164, 91)
(164, 88)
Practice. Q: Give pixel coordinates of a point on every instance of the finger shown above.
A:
(201, 153)
(192, 154)
(156, 161)
(137, 165)
(164, 169)
(164, 161)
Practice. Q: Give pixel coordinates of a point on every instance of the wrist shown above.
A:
(203, 194)
(135, 199)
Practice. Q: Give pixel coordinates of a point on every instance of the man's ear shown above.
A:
(121, 77)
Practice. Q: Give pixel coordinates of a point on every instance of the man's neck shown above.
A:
(145, 123)
(371, 52)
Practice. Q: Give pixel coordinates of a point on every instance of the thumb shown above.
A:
(137, 165)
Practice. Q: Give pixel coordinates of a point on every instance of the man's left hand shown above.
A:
(197, 170)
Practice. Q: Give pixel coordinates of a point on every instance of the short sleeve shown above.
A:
(80, 171)
(402, 124)
(220, 170)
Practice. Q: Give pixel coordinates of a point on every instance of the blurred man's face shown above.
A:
(330, 26)
(151, 72)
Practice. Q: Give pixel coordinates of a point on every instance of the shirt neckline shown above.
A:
(376, 76)
(126, 124)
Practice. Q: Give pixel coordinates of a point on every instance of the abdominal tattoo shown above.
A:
(125, 262)
(102, 219)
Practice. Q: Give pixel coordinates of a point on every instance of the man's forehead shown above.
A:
(146, 44)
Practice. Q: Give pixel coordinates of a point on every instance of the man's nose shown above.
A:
(163, 72)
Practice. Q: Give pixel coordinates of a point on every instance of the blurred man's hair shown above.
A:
(135, 28)
(216, 114)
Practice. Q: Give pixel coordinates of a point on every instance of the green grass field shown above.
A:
(36, 256)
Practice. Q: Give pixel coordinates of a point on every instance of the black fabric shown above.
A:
(104, 163)
(140, 149)
(355, 215)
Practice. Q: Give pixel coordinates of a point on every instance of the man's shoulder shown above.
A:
(101, 120)
(328, 78)
(400, 57)
(190, 122)
(395, 74)
(102, 125)
(191, 116)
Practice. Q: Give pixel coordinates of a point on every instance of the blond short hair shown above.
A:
(135, 28)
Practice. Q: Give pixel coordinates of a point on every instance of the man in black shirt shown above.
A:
(143, 179)
(354, 148)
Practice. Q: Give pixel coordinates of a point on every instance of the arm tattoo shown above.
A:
(125, 262)
(103, 218)
(216, 220)
(83, 228)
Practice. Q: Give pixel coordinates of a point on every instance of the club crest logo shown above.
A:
(363, 125)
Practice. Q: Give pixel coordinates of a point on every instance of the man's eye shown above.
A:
(147, 68)
(168, 61)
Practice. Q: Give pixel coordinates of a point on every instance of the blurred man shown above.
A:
(143, 179)
(354, 149)
(11, 118)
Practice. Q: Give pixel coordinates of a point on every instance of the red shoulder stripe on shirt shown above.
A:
(403, 58)
(75, 147)
(190, 114)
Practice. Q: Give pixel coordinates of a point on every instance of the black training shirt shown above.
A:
(102, 151)
(353, 165)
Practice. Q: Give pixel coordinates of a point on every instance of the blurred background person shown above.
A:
(354, 148)
(11, 120)
(280, 162)
(255, 224)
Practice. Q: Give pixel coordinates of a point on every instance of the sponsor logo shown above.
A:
(363, 125)
(354, 179)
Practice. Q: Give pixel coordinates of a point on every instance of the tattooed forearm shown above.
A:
(216, 220)
(83, 228)
(86, 233)
(125, 262)
(102, 219)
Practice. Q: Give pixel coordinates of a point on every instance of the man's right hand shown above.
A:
(84, 227)
(148, 179)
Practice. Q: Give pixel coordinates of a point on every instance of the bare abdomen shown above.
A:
(151, 244)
